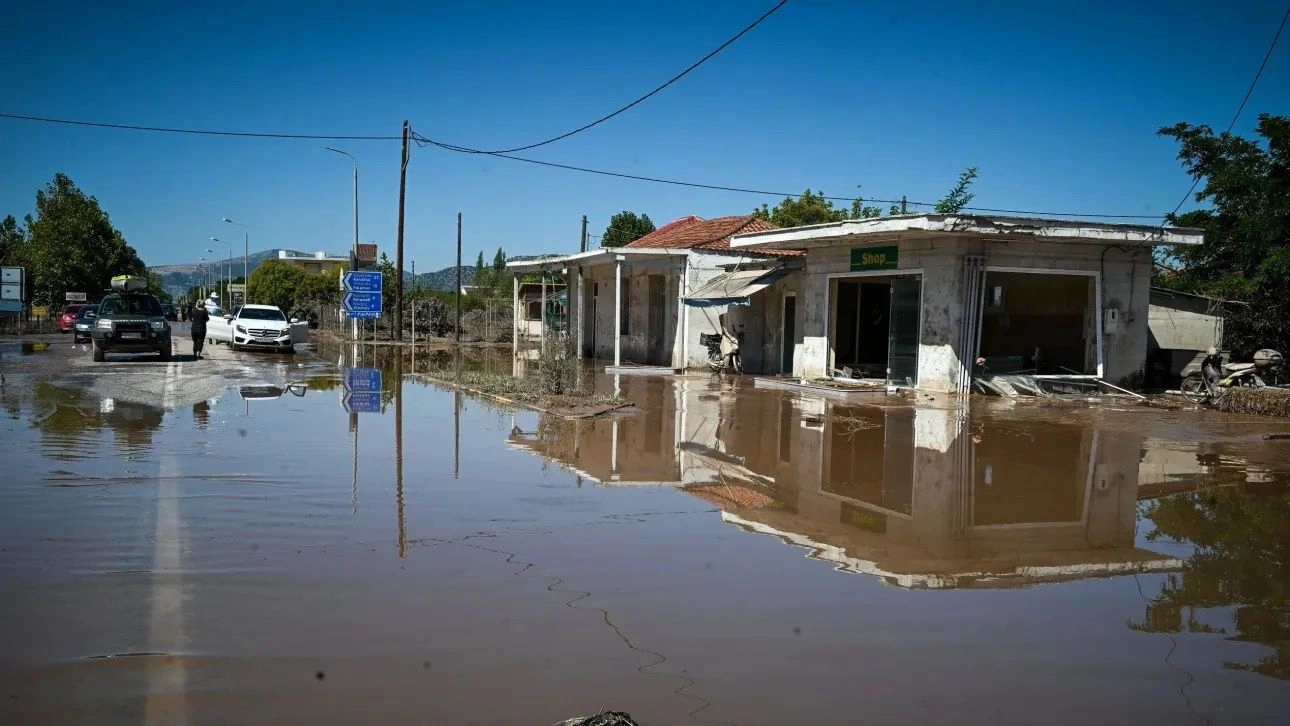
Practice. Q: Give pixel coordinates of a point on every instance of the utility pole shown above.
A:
(458, 326)
(398, 282)
(583, 247)
(902, 203)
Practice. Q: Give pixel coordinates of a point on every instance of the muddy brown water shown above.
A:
(724, 555)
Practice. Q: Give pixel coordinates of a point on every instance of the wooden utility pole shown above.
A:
(902, 203)
(583, 247)
(398, 280)
(458, 327)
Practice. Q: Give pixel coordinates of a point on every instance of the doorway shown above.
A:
(875, 327)
(1041, 323)
(788, 334)
(656, 287)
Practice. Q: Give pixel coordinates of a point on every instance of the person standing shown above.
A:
(199, 319)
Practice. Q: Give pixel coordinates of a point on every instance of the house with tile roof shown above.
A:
(647, 303)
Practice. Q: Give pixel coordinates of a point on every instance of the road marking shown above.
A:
(167, 677)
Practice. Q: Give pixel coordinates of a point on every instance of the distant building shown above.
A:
(315, 264)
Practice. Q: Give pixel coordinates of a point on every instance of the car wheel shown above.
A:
(99, 354)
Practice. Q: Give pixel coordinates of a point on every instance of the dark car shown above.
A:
(171, 312)
(130, 322)
(84, 325)
(68, 318)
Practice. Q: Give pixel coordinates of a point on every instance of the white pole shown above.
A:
(618, 311)
(515, 318)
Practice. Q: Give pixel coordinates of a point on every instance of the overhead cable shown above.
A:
(197, 132)
(638, 101)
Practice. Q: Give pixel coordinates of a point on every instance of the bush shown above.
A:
(559, 365)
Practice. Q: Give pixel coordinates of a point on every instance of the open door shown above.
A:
(903, 335)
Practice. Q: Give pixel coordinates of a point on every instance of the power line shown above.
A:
(423, 141)
(195, 132)
(1239, 109)
(638, 101)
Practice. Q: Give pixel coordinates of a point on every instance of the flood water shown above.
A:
(726, 554)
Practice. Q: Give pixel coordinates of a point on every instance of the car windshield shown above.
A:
(130, 305)
(72, 309)
(261, 314)
(87, 311)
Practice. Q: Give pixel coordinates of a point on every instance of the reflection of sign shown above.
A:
(874, 258)
(362, 401)
(363, 379)
(863, 518)
(75, 297)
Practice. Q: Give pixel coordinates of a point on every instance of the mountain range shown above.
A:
(177, 279)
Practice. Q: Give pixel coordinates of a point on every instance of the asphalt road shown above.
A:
(142, 379)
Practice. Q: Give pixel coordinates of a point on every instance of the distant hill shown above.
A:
(445, 279)
(178, 278)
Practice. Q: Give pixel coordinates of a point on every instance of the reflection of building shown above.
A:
(920, 497)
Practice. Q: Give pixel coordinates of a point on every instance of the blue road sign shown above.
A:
(362, 302)
(362, 379)
(356, 281)
(362, 401)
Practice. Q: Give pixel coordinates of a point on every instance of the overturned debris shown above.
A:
(1257, 401)
(604, 718)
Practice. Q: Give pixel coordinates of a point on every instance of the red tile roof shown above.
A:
(697, 233)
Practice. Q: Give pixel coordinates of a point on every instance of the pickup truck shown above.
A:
(256, 327)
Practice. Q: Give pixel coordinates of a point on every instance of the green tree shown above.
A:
(12, 237)
(814, 208)
(958, 196)
(69, 245)
(158, 288)
(626, 227)
(275, 282)
(1246, 253)
(318, 291)
(481, 273)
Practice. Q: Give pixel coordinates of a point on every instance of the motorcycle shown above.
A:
(716, 361)
(1216, 378)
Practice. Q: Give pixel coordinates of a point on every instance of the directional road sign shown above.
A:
(362, 379)
(362, 401)
(362, 304)
(361, 281)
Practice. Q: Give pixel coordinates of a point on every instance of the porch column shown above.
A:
(542, 313)
(618, 311)
(580, 310)
(515, 315)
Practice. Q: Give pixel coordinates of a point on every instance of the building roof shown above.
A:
(697, 233)
(966, 225)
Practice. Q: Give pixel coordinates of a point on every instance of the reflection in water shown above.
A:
(926, 498)
(69, 420)
(1242, 562)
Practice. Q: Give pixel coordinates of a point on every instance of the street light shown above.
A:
(353, 255)
(228, 268)
(206, 273)
(246, 247)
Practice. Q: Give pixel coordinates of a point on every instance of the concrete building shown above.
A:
(541, 305)
(648, 302)
(315, 264)
(1181, 327)
(915, 299)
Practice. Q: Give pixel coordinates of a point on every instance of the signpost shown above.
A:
(11, 289)
(362, 390)
(75, 297)
(237, 295)
(362, 298)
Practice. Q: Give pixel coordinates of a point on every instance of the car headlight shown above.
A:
(158, 325)
(241, 329)
(103, 324)
(285, 331)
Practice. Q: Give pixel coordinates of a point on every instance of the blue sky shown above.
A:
(1056, 103)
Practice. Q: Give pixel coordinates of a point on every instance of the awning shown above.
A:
(737, 286)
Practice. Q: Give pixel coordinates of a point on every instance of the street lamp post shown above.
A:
(228, 268)
(246, 252)
(353, 255)
(206, 274)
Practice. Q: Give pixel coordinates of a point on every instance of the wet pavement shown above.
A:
(221, 542)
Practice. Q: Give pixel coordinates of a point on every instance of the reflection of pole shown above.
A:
(398, 452)
(456, 433)
(458, 295)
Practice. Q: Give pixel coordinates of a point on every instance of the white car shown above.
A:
(253, 327)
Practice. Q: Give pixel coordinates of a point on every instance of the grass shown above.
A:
(1257, 401)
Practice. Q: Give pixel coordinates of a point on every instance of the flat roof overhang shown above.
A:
(890, 229)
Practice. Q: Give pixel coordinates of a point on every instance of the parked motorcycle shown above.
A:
(716, 361)
(1216, 378)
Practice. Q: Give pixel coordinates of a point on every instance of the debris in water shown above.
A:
(604, 718)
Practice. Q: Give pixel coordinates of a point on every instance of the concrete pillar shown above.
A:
(578, 319)
(618, 311)
(542, 313)
(515, 315)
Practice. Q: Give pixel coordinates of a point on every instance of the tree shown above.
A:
(275, 282)
(70, 244)
(625, 228)
(158, 288)
(1246, 253)
(958, 197)
(480, 279)
(12, 238)
(318, 291)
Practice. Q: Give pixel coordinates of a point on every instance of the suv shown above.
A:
(130, 322)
